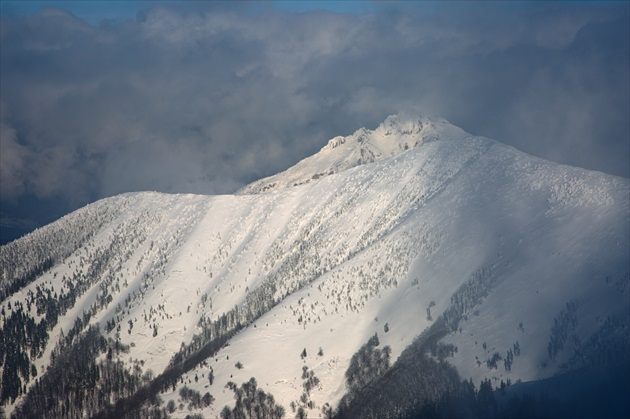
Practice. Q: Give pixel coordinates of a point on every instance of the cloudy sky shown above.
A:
(99, 98)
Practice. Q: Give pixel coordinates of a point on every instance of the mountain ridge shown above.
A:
(392, 137)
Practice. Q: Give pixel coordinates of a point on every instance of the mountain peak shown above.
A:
(405, 125)
(395, 129)
(395, 135)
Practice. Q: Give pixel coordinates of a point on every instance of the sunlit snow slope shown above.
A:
(383, 227)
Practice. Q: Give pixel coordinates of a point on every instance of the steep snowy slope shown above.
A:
(507, 245)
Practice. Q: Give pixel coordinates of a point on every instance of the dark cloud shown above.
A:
(203, 98)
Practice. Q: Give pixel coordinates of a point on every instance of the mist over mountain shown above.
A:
(408, 270)
(100, 98)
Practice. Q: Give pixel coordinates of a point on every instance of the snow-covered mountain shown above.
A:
(516, 265)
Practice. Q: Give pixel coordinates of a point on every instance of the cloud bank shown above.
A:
(205, 99)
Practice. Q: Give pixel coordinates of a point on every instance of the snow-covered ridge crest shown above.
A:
(401, 133)
(392, 137)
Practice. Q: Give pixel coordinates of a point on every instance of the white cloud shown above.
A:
(12, 164)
